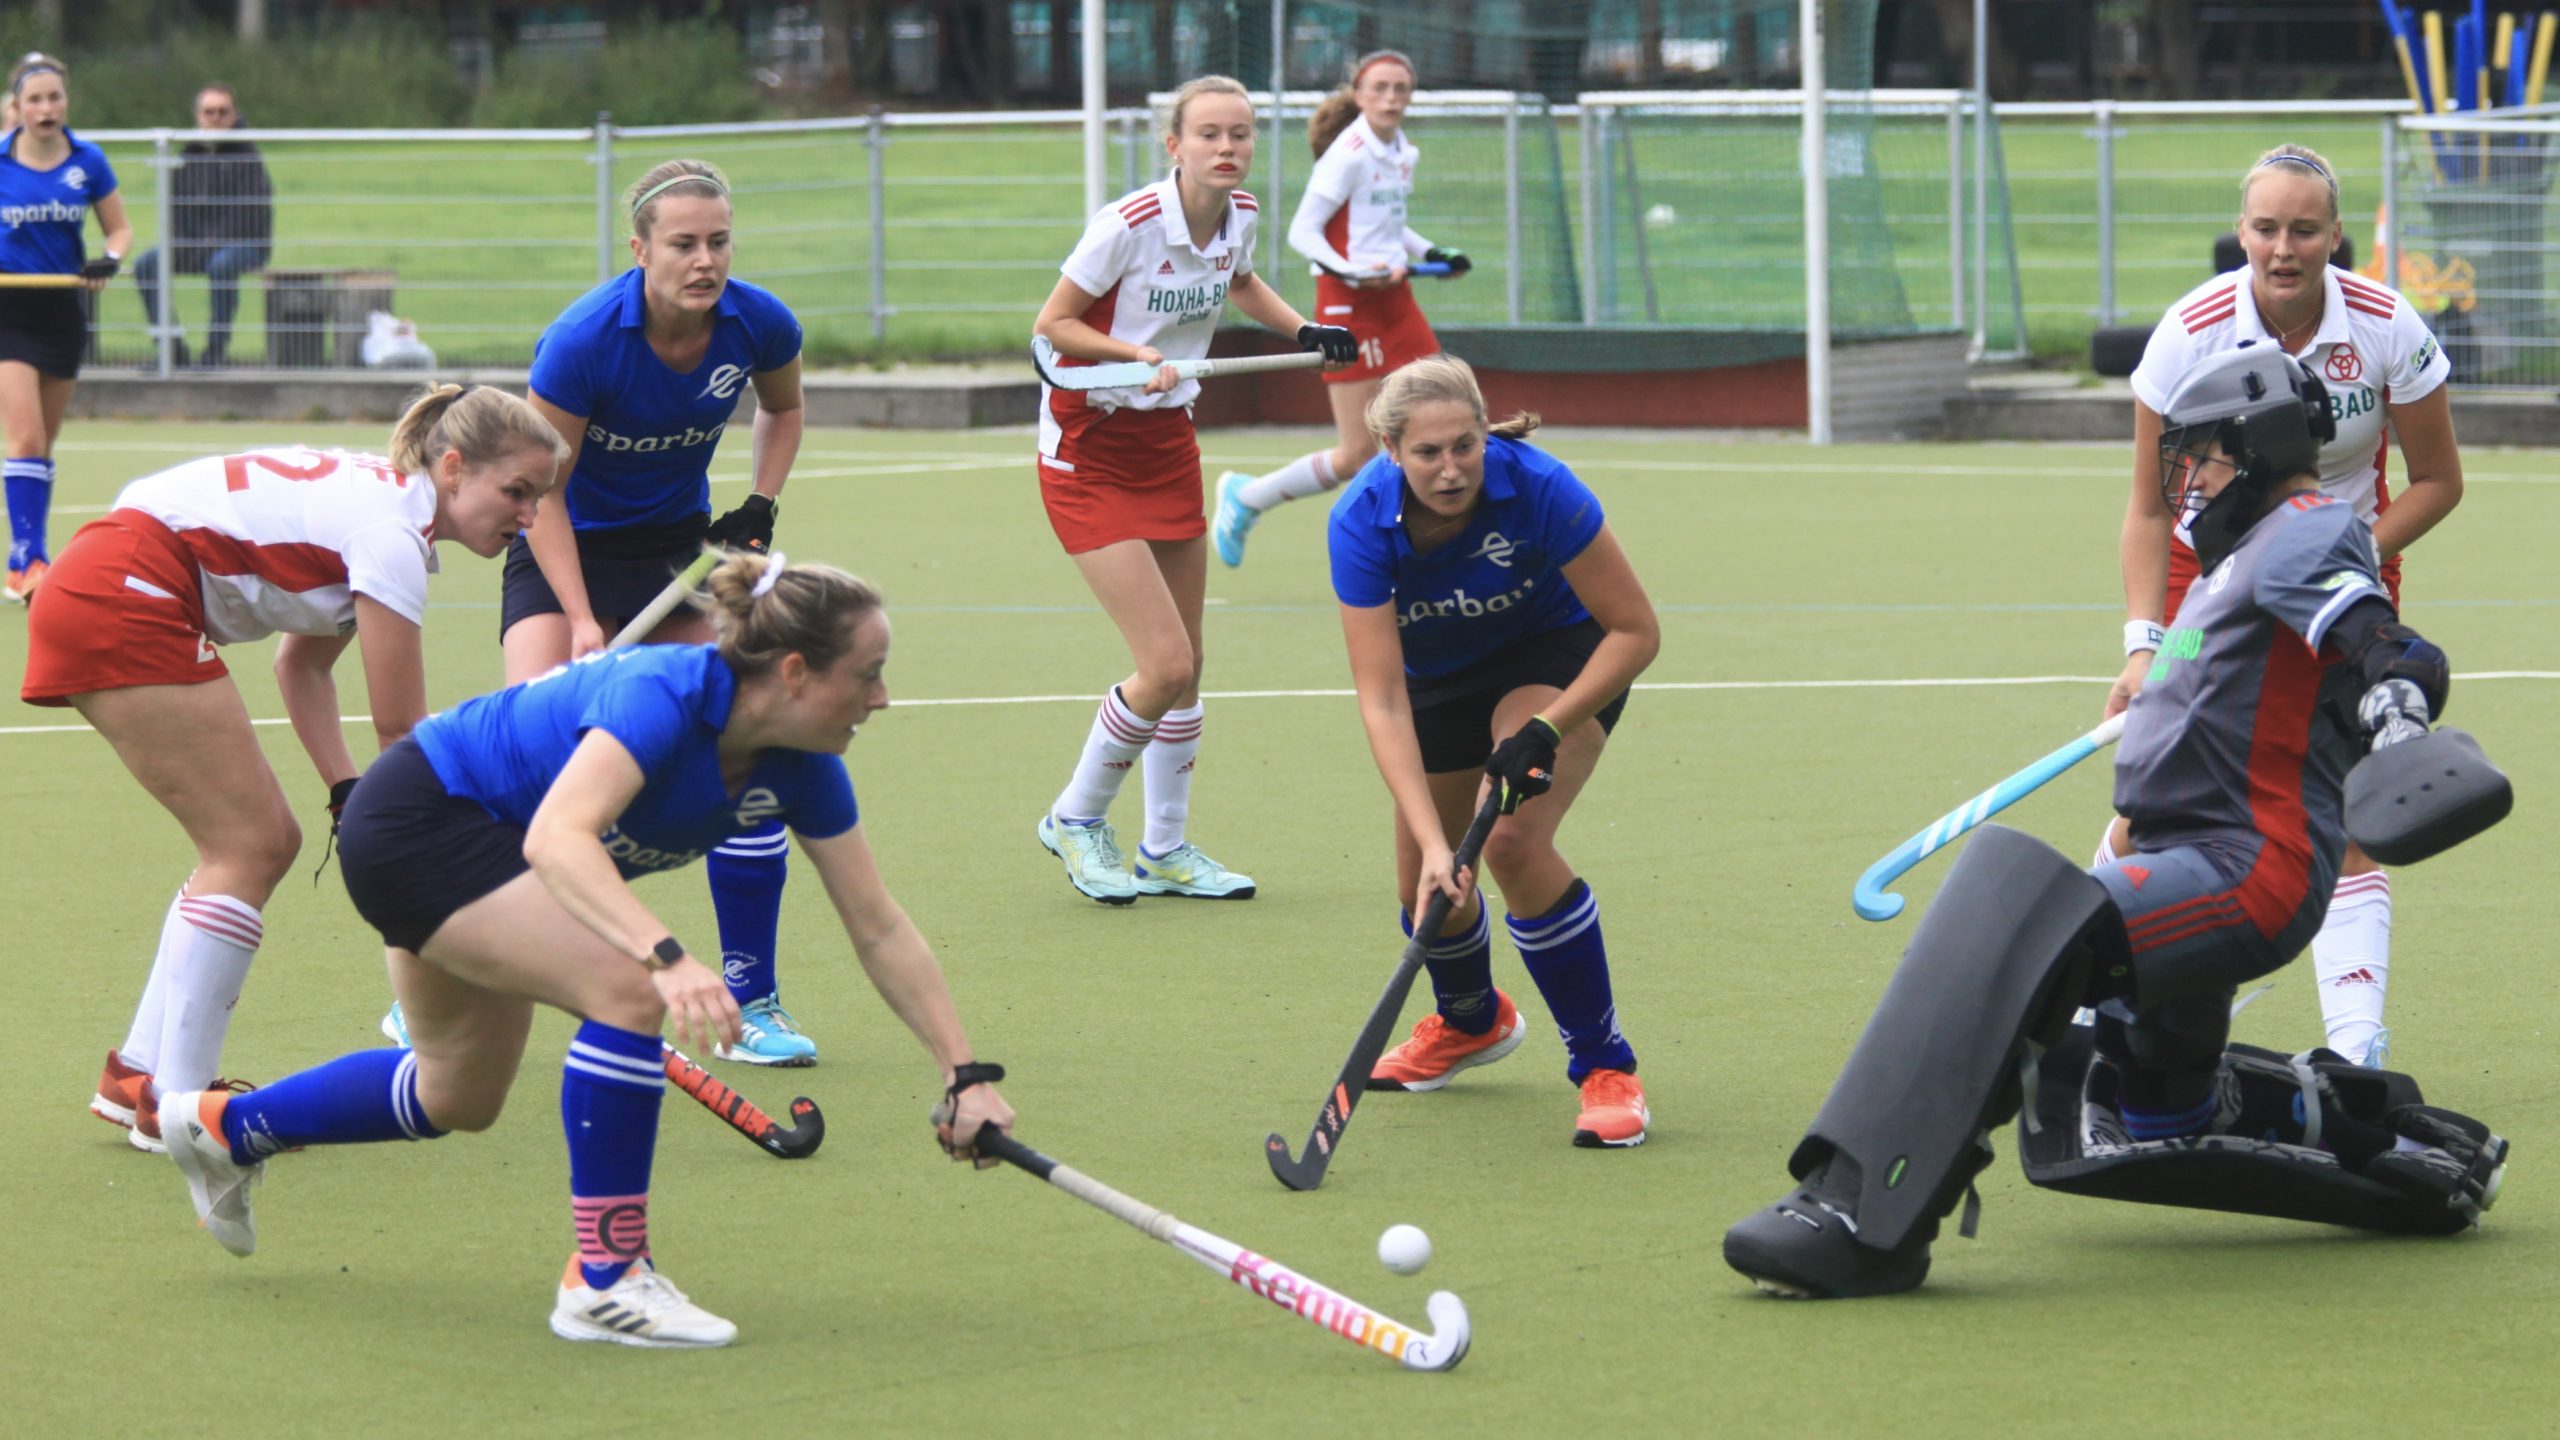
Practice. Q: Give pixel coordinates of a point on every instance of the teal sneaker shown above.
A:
(767, 1035)
(396, 1025)
(1235, 518)
(1092, 855)
(1186, 871)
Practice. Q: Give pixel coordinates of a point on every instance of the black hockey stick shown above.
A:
(1306, 1171)
(796, 1141)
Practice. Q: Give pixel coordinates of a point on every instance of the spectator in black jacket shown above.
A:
(222, 219)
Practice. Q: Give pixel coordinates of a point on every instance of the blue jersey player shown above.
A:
(1494, 626)
(492, 848)
(640, 376)
(51, 181)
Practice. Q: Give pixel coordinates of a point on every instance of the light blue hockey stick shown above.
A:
(1869, 896)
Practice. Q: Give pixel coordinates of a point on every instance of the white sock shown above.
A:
(2106, 847)
(1117, 739)
(1310, 474)
(2351, 956)
(220, 935)
(141, 1047)
(1169, 761)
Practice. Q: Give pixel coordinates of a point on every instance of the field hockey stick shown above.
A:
(665, 601)
(12, 281)
(796, 1141)
(1134, 374)
(1439, 268)
(1869, 897)
(1265, 1277)
(1306, 1171)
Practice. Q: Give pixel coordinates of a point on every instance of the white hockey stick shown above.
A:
(1264, 1276)
(665, 602)
(1134, 374)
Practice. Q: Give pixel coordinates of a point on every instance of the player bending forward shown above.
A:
(2288, 661)
(492, 850)
(1494, 627)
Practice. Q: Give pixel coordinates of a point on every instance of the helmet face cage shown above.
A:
(2184, 451)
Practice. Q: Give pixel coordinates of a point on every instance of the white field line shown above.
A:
(1673, 686)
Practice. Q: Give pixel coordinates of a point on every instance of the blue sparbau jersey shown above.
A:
(42, 211)
(1501, 581)
(645, 458)
(667, 705)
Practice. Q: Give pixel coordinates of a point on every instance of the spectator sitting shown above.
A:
(222, 221)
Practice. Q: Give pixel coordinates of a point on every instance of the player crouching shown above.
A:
(2288, 661)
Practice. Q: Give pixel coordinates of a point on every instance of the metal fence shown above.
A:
(898, 235)
(2475, 252)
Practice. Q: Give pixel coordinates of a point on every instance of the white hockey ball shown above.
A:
(1404, 1249)
(1660, 217)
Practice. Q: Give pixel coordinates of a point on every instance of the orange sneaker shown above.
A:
(23, 583)
(145, 1131)
(119, 1091)
(1439, 1050)
(1613, 1112)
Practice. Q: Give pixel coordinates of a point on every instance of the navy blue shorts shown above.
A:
(624, 569)
(1453, 714)
(413, 853)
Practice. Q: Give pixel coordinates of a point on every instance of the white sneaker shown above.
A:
(191, 1126)
(642, 1308)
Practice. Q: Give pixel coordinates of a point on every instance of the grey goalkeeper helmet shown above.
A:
(2256, 407)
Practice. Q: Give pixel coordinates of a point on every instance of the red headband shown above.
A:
(1381, 57)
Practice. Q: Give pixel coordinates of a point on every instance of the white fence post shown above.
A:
(604, 196)
(2106, 134)
(2392, 220)
(1511, 209)
(876, 141)
(1815, 162)
(165, 270)
(1955, 211)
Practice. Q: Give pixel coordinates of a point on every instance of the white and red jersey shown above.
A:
(285, 539)
(1155, 288)
(2371, 351)
(1352, 218)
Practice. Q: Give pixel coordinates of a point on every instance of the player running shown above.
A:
(1120, 475)
(641, 375)
(2385, 375)
(1494, 627)
(2288, 664)
(50, 181)
(1351, 224)
(492, 850)
(321, 546)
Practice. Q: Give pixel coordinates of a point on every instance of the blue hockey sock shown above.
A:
(1570, 964)
(610, 1087)
(2144, 1124)
(1462, 973)
(746, 891)
(352, 1100)
(30, 487)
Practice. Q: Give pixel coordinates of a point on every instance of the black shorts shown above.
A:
(1453, 714)
(48, 329)
(413, 853)
(625, 569)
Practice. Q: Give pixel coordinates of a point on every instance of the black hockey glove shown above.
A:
(1340, 347)
(749, 527)
(338, 796)
(1456, 260)
(1524, 765)
(102, 268)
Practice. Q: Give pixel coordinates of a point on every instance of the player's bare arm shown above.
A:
(1615, 597)
(2425, 428)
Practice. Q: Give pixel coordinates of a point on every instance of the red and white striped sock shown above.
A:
(1169, 762)
(141, 1047)
(218, 938)
(1114, 743)
(1310, 474)
(2351, 957)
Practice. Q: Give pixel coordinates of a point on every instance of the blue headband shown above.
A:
(2309, 165)
(30, 73)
